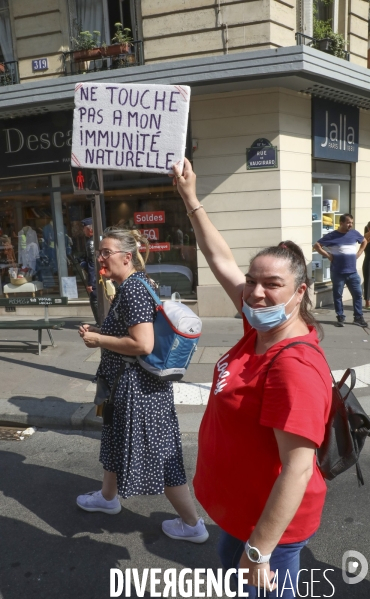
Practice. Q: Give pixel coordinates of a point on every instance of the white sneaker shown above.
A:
(177, 529)
(95, 502)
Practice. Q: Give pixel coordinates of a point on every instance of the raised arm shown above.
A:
(210, 241)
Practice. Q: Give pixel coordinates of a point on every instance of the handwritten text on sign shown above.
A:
(131, 127)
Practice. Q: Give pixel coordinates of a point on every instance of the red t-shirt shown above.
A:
(238, 459)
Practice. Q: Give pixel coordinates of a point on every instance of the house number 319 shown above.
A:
(40, 64)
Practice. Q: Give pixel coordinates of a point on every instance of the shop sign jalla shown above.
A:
(335, 131)
(36, 145)
(262, 155)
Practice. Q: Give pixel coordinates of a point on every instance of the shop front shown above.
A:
(335, 145)
(42, 240)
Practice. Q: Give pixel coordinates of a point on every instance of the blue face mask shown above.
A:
(265, 319)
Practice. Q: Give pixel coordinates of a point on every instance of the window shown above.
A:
(328, 10)
(6, 44)
(101, 15)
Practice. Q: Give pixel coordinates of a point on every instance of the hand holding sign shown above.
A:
(130, 127)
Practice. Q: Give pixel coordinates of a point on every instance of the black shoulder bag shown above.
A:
(104, 397)
(347, 427)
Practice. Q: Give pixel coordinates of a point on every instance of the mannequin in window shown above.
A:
(49, 245)
(28, 247)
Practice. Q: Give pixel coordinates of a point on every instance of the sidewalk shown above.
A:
(54, 390)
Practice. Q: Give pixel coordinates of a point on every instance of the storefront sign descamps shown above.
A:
(36, 145)
(335, 131)
(15, 140)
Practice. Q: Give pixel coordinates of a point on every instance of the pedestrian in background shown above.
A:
(366, 268)
(88, 265)
(340, 247)
(141, 450)
(256, 472)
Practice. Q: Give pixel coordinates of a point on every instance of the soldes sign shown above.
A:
(141, 218)
(36, 145)
(335, 131)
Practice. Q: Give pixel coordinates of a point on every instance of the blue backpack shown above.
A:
(176, 334)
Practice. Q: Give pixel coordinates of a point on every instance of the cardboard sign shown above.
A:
(131, 127)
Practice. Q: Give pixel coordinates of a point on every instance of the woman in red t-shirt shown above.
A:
(256, 472)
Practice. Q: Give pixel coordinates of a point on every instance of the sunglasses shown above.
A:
(105, 254)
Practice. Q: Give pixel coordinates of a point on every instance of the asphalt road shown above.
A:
(51, 549)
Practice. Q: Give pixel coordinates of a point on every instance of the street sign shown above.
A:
(261, 155)
(85, 180)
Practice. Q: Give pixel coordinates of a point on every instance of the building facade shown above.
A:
(279, 134)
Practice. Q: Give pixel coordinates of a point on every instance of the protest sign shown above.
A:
(130, 126)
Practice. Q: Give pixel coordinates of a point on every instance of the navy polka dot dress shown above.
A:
(143, 446)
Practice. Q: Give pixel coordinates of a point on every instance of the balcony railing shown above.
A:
(75, 63)
(325, 45)
(9, 73)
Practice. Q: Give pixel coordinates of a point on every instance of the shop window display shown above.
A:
(331, 192)
(31, 248)
(28, 250)
(158, 213)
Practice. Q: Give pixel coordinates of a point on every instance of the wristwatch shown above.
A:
(254, 554)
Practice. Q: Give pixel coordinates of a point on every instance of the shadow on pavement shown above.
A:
(27, 348)
(45, 368)
(323, 588)
(68, 552)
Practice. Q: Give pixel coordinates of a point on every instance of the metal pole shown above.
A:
(103, 303)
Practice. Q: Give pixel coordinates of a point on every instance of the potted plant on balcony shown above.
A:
(86, 46)
(325, 38)
(121, 42)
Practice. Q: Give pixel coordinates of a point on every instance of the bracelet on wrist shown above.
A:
(191, 212)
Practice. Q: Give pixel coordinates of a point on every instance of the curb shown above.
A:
(83, 419)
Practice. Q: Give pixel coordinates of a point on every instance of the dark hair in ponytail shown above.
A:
(293, 254)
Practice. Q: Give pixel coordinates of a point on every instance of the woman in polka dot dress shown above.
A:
(141, 451)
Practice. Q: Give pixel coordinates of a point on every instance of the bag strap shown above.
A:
(116, 381)
(339, 385)
(149, 288)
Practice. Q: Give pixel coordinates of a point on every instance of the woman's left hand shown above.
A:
(91, 339)
(259, 575)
